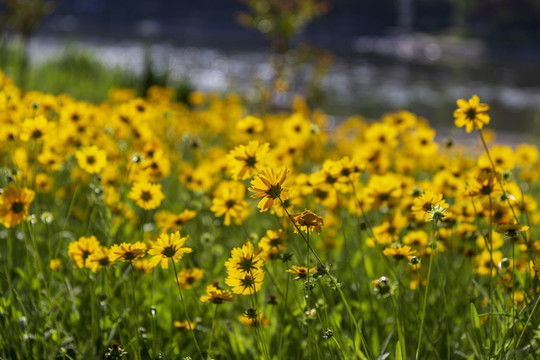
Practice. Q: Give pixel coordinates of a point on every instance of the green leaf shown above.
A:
(398, 351)
(474, 317)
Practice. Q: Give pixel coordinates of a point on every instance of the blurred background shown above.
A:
(343, 56)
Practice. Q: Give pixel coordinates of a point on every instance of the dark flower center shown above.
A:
(91, 160)
(274, 192)
(251, 161)
(470, 113)
(486, 189)
(146, 196)
(129, 256)
(36, 134)
(169, 251)
(246, 264)
(230, 203)
(275, 242)
(17, 207)
(330, 179)
(248, 282)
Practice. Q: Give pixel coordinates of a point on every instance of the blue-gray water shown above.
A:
(418, 73)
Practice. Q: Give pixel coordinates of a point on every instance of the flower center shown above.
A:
(146, 196)
(36, 134)
(274, 192)
(248, 282)
(471, 113)
(169, 251)
(275, 242)
(246, 264)
(91, 160)
(251, 161)
(17, 207)
(330, 179)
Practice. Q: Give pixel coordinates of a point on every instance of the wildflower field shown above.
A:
(145, 228)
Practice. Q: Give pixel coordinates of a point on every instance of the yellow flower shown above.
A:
(188, 277)
(54, 264)
(502, 156)
(417, 239)
(384, 190)
(309, 220)
(484, 182)
(526, 155)
(250, 125)
(168, 247)
(217, 296)
(168, 221)
(483, 265)
(181, 218)
(245, 284)
(244, 260)
(141, 265)
(252, 318)
(398, 253)
(146, 195)
(301, 271)
(471, 114)
(511, 231)
(425, 202)
(14, 204)
(247, 160)
(91, 159)
(297, 127)
(229, 201)
(184, 325)
(268, 184)
(98, 259)
(35, 129)
(80, 250)
(381, 135)
(504, 228)
(43, 183)
(127, 252)
(273, 243)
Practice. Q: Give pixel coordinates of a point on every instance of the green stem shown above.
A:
(153, 314)
(186, 312)
(212, 332)
(528, 321)
(135, 309)
(308, 294)
(259, 335)
(336, 286)
(499, 180)
(400, 327)
(423, 314)
(285, 310)
(490, 248)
